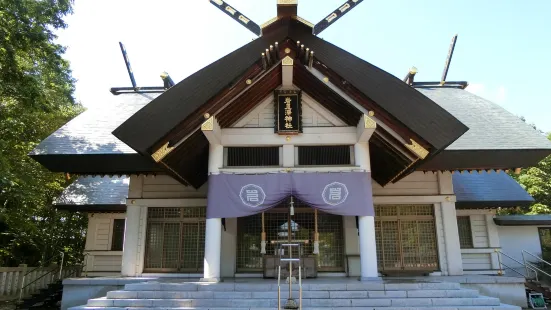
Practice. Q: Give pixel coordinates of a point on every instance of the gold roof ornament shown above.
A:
(369, 123)
(417, 149)
(208, 125)
(162, 152)
(287, 61)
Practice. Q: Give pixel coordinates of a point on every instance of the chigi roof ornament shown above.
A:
(285, 8)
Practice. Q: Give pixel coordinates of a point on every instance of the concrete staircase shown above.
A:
(262, 295)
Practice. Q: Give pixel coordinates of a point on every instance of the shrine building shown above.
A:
(292, 139)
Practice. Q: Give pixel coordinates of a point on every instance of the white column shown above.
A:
(451, 237)
(130, 247)
(366, 224)
(368, 248)
(449, 223)
(213, 227)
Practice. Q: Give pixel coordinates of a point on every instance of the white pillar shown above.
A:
(366, 224)
(368, 248)
(449, 223)
(130, 247)
(451, 238)
(213, 227)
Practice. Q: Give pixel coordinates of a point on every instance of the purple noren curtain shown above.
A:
(341, 193)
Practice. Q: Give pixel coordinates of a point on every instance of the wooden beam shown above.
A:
(310, 136)
(448, 60)
(211, 130)
(335, 15)
(287, 74)
(237, 16)
(366, 128)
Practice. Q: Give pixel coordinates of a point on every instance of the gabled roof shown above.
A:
(415, 111)
(86, 144)
(496, 138)
(488, 190)
(94, 194)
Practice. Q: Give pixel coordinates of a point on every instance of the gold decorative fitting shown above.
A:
(219, 2)
(287, 61)
(133, 201)
(287, 50)
(269, 22)
(369, 122)
(208, 125)
(417, 149)
(249, 82)
(288, 138)
(206, 115)
(304, 21)
(448, 199)
(326, 79)
(162, 152)
(287, 2)
(371, 113)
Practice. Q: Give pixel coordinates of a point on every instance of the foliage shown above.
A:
(35, 99)
(537, 182)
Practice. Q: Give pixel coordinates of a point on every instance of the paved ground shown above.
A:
(7, 305)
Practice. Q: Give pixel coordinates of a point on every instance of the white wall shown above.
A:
(514, 239)
(100, 260)
(415, 184)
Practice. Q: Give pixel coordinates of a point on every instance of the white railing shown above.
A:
(11, 279)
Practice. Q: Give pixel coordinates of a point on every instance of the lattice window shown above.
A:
(252, 156)
(175, 239)
(117, 238)
(406, 237)
(465, 232)
(330, 228)
(324, 155)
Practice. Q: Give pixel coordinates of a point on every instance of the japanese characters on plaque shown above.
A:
(288, 111)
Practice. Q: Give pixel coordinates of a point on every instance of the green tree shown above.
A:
(537, 182)
(36, 90)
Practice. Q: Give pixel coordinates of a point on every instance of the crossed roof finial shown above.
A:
(285, 8)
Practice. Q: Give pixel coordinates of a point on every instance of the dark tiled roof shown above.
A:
(523, 220)
(90, 132)
(492, 190)
(95, 194)
(491, 127)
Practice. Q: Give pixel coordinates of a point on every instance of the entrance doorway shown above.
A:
(175, 240)
(406, 239)
(330, 228)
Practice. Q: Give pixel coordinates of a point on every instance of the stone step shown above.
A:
(263, 287)
(307, 302)
(499, 307)
(461, 293)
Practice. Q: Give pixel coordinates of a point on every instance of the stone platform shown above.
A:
(341, 293)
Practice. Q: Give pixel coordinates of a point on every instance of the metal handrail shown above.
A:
(531, 268)
(23, 286)
(535, 256)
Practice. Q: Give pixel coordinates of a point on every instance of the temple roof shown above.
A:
(498, 138)
(413, 110)
(86, 145)
(488, 190)
(491, 127)
(94, 194)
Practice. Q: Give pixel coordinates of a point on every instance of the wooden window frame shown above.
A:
(114, 235)
(469, 236)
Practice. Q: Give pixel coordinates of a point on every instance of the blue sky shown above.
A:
(503, 49)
